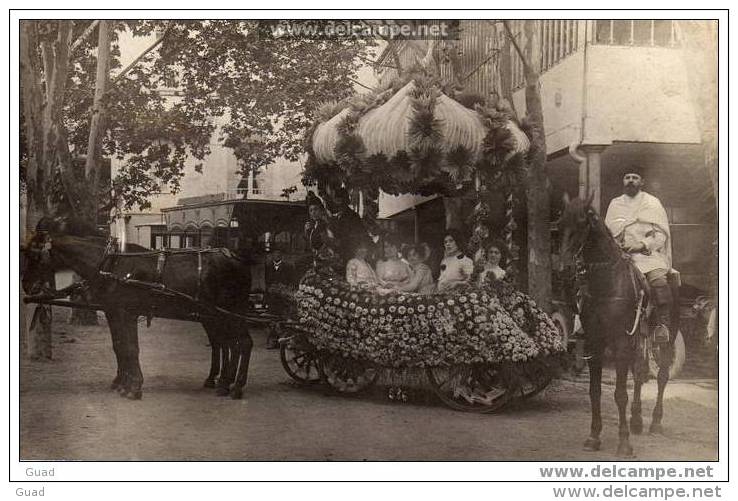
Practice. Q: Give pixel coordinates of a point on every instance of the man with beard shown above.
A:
(639, 223)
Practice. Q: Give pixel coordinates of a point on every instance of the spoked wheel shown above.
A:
(347, 375)
(535, 376)
(300, 360)
(478, 388)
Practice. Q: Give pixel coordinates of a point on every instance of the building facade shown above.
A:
(615, 93)
(206, 201)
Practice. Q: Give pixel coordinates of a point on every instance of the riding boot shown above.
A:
(662, 312)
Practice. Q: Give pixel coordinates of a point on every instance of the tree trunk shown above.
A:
(97, 122)
(44, 76)
(539, 204)
(538, 186)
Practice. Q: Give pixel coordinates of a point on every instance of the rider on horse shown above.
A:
(639, 223)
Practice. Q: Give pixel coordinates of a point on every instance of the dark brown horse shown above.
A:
(609, 315)
(214, 278)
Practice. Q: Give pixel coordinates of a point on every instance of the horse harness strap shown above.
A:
(639, 293)
(161, 262)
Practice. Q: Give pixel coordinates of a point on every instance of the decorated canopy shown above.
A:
(412, 138)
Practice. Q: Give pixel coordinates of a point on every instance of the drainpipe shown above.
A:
(574, 147)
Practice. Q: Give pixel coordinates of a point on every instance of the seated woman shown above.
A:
(456, 267)
(488, 263)
(358, 272)
(421, 279)
(392, 271)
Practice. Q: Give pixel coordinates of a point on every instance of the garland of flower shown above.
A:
(414, 330)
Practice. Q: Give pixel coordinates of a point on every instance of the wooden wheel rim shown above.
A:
(470, 388)
(301, 365)
(347, 375)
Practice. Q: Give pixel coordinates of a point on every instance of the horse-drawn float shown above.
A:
(479, 347)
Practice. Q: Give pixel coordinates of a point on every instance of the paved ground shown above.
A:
(67, 412)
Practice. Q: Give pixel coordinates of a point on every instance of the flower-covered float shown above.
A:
(479, 347)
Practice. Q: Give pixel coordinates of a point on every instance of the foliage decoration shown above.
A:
(425, 166)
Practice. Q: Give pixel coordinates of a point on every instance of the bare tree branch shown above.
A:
(376, 63)
(390, 46)
(360, 84)
(83, 36)
(140, 57)
(526, 65)
(484, 61)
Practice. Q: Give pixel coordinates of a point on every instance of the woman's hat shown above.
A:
(313, 199)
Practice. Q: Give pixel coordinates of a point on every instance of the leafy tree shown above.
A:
(263, 87)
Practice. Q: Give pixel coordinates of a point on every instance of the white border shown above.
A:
(397, 471)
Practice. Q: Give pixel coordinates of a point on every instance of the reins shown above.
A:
(621, 257)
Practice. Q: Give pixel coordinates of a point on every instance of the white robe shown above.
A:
(641, 219)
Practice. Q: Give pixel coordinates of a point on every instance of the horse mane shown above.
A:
(578, 211)
(600, 226)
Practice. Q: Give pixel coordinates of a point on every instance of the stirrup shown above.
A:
(661, 334)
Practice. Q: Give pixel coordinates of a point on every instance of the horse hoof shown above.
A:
(625, 451)
(592, 444)
(636, 426)
(134, 395)
(236, 393)
(656, 428)
(222, 392)
(209, 383)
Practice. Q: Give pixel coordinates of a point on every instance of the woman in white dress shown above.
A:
(392, 271)
(489, 263)
(456, 267)
(358, 271)
(421, 280)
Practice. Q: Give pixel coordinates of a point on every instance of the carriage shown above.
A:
(409, 137)
(479, 348)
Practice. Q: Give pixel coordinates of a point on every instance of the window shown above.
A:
(243, 187)
(640, 32)
(256, 188)
(174, 242)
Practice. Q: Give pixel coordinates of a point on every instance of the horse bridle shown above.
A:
(638, 292)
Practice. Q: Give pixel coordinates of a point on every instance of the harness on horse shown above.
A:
(637, 280)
